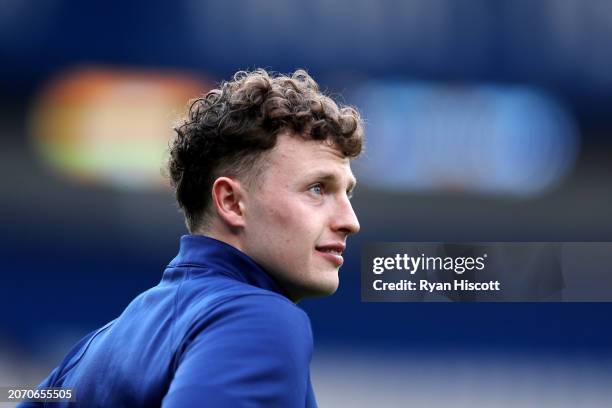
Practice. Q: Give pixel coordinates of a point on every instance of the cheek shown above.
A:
(269, 224)
(292, 229)
(288, 228)
(286, 223)
(286, 213)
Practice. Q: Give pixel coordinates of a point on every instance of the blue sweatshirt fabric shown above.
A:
(217, 331)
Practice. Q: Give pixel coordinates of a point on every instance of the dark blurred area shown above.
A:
(486, 121)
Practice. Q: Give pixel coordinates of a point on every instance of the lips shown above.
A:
(332, 252)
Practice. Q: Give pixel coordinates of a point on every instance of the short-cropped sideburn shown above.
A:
(226, 130)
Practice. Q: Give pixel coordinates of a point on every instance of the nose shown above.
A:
(345, 220)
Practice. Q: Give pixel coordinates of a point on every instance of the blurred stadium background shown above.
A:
(486, 121)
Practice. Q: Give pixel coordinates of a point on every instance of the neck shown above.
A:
(224, 236)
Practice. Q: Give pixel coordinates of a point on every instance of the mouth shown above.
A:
(332, 253)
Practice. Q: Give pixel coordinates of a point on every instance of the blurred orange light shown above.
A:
(111, 125)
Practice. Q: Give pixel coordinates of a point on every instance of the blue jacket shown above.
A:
(217, 331)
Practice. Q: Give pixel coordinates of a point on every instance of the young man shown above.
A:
(261, 171)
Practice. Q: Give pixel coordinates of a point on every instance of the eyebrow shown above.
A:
(325, 176)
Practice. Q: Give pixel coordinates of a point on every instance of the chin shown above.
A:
(328, 285)
(323, 288)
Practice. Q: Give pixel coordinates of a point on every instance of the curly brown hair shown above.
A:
(225, 132)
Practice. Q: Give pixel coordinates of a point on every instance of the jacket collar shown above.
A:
(220, 258)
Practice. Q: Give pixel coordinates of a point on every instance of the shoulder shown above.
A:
(229, 300)
(253, 347)
(264, 333)
(264, 317)
(263, 314)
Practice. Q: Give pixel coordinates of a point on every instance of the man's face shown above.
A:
(298, 216)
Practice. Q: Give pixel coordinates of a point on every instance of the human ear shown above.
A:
(227, 196)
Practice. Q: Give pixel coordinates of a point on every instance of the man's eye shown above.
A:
(317, 189)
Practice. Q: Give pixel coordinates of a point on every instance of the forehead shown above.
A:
(296, 158)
